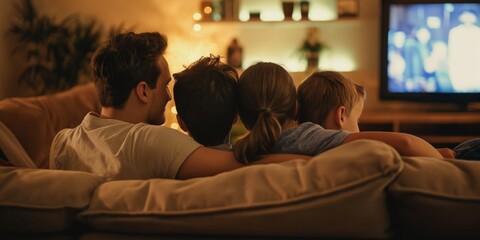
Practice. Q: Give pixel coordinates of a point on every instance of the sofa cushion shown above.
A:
(437, 199)
(340, 193)
(11, 151)
(39, 200)
(36, 120)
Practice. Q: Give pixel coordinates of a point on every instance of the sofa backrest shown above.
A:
(13, 152)
(35, 121)
(340, 193)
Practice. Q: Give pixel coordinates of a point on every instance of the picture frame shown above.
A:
(347, 8)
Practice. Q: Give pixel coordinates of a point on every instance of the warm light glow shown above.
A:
(297, 15)
(271, 15)
(344, 65)
(197, 27)
(207, 10)
(197, 16)
(338, 61)
(186, 49)
(295, 65)
(270, 10)
(323, 10)
(244, 16)
(174, 110)
(175, 126)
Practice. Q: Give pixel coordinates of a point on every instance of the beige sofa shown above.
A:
(360, 190)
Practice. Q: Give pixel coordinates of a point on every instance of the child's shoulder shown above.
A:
(310, 126)
(302, 129)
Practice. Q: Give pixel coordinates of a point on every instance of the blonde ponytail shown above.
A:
(267, 101)
(263, 136)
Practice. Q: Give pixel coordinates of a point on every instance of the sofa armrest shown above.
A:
(35, 121)
(13, 150)
(435, 198)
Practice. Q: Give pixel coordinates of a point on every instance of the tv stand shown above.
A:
(441, 129)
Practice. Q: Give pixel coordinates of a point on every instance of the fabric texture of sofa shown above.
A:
(363, 189)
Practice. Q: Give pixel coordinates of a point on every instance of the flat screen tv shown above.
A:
(430, 50)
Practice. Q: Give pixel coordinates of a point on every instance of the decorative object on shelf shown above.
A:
(255, 16)
(57, 53)
(347, 8)
(304, 8)
(206, 8)
(230, 10)
(218, 11)
(235, 54)
(287, 7)
(312, 47)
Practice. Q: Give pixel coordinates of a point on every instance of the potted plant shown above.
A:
(57, 53)
(312, 47)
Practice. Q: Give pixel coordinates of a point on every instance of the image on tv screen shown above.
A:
(434, 48)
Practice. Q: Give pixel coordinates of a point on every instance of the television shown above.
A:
(430, 51)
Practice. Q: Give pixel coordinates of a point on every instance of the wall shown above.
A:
(8, 72)
(353, 43)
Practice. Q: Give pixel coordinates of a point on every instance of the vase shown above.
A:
(313, 58)
(304, 8)
(206, 8)
(287, 9)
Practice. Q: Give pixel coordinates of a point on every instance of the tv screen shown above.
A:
(430, 50)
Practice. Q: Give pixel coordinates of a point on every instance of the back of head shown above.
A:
(267, 102)
(206, 96)
(324, 91)
(124, 61)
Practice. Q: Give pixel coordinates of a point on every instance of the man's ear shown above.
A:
(340, 117)
(142, 92)
(181, 123)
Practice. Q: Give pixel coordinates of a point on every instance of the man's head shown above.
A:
(331, 100)
(206, 98)
(131, 63)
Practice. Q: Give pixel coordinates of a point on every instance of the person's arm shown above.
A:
(405, 144)
(205, 162)
(279, 157)
(447, 152)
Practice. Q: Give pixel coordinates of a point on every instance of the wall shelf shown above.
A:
(276, 10)
(283, 21)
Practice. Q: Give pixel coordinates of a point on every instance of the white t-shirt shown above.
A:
(120, 150)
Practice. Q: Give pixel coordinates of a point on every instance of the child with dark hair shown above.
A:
(206, 96)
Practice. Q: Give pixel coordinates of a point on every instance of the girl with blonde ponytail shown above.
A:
(267, 107)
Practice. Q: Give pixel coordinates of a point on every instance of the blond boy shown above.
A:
(335, 102)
